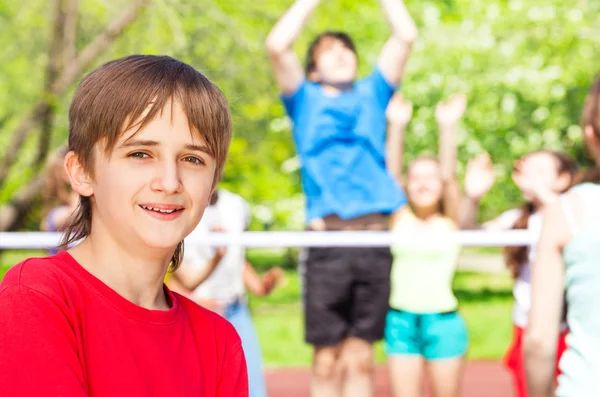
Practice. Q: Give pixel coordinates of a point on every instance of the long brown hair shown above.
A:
(113, 97)
(516, 257)
(590, 117)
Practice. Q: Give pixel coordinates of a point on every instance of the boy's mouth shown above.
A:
(162, 211)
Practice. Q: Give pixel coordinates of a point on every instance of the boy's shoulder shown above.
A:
(44, 274)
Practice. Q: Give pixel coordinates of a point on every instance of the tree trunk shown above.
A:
(53, 68)
(62, 83)
(14, 211)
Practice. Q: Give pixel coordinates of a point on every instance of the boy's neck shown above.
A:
(333, 89)
(136, 276)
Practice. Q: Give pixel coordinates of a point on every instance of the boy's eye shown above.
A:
(195, 160)
(139, 155)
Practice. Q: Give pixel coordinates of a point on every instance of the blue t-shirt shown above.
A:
(340, 142)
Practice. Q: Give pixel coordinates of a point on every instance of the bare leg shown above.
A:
(326, 374)
(357, 361)
(406, 374)
(445, 376)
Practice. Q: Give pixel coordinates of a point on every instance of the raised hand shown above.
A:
(479, 177)
(450, 112)
(399, 110)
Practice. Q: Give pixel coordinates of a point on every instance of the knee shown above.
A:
(325, 367)
(362, 364)
(358, 360)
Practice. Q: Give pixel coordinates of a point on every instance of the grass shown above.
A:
(485, 302)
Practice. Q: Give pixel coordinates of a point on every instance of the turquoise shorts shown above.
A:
(434, 336)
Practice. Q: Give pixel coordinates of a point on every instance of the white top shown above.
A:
(522, 288)
(226, 284)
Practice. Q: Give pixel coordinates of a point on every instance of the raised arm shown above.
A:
(286, 65)
(547, 288)
(398, 113)
(479, 179)
(393, 57)
(448, 115)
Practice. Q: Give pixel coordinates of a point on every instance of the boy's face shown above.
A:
(334, 62)
(156, 183)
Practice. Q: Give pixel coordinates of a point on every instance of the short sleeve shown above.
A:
(196, 256)
(382, 89)
(233, 379)
(39, 348)
(292, 102)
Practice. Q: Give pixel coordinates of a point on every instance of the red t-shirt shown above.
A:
(65, 333)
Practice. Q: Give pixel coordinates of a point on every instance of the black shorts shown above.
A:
(346, 293)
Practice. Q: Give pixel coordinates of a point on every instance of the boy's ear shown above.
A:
(81, 181)
(588, 132)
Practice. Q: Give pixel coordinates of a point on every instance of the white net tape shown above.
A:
(467, 238)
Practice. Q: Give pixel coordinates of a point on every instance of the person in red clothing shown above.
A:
(148, 138)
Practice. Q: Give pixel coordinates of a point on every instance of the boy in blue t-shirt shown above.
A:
(340, 133)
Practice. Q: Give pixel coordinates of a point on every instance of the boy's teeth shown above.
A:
(158, 210)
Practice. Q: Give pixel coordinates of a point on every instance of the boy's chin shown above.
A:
(164, 244)
(344, 80)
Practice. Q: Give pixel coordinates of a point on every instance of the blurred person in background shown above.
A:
(568, 257)
(59, 200)
(339, 132)
(424, 331)
(218, 278)
(541, 176)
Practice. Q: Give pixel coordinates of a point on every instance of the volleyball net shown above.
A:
(302, 239)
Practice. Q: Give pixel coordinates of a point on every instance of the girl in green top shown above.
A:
(423, 328)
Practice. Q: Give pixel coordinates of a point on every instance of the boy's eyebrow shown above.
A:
(140, 142)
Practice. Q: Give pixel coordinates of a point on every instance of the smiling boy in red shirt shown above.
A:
(148, 138)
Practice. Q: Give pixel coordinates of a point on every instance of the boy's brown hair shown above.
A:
(314, 47)
(590, 116)
(135, 89)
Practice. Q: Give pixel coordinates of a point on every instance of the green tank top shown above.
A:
(422, 274)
